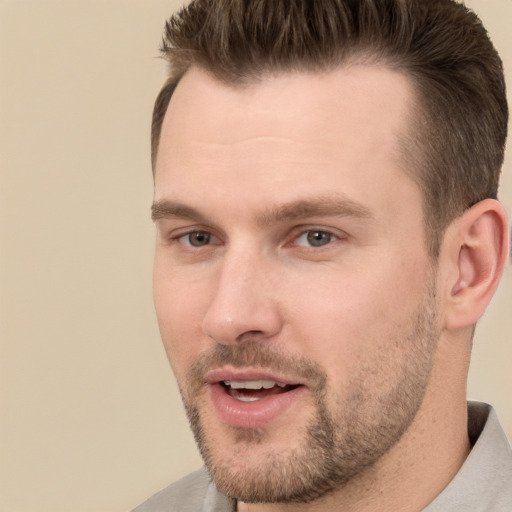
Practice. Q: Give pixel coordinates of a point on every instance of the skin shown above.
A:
(254, 167)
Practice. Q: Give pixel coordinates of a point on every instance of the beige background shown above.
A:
(89, 415)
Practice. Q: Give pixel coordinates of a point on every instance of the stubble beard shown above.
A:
(337, 445)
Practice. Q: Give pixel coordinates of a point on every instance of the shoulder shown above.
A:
(484, 482)
(186, 494)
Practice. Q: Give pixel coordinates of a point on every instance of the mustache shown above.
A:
(255, 355)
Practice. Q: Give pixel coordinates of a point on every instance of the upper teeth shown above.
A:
(253, 384)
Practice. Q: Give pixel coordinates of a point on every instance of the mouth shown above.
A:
(254, 390)
(251, 399)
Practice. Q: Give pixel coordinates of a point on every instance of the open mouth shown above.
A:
(251, 398)
(254, 390)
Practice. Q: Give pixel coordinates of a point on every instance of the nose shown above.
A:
(244, 304)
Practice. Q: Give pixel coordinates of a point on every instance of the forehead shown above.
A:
(279, 134)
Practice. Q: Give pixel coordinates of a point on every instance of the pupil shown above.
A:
(318, 238)
(199, 238)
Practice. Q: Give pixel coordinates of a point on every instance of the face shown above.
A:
(293, 289)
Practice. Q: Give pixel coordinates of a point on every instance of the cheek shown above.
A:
(180, 307)
(348, 318)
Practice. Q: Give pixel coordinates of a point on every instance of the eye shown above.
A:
(197, 239)
(315, 238)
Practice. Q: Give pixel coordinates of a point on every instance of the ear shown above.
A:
(476, 248)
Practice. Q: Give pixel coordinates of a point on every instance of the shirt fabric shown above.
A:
(483, 483)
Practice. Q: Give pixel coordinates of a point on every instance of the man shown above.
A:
(328, 235)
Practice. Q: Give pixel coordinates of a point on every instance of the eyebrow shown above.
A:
(317, 207)
(165, 209)
(292, 211)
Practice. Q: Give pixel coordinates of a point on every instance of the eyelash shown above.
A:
(332, 237)
(188, 234)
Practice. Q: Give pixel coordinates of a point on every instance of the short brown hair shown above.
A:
(456, 147)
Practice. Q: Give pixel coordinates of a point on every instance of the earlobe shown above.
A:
(479, 248)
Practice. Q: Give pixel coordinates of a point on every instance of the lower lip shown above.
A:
(256, 414)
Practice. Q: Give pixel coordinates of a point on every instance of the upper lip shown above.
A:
(248, 374)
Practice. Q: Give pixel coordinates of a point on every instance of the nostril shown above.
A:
(233, 317)
(249, 336)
